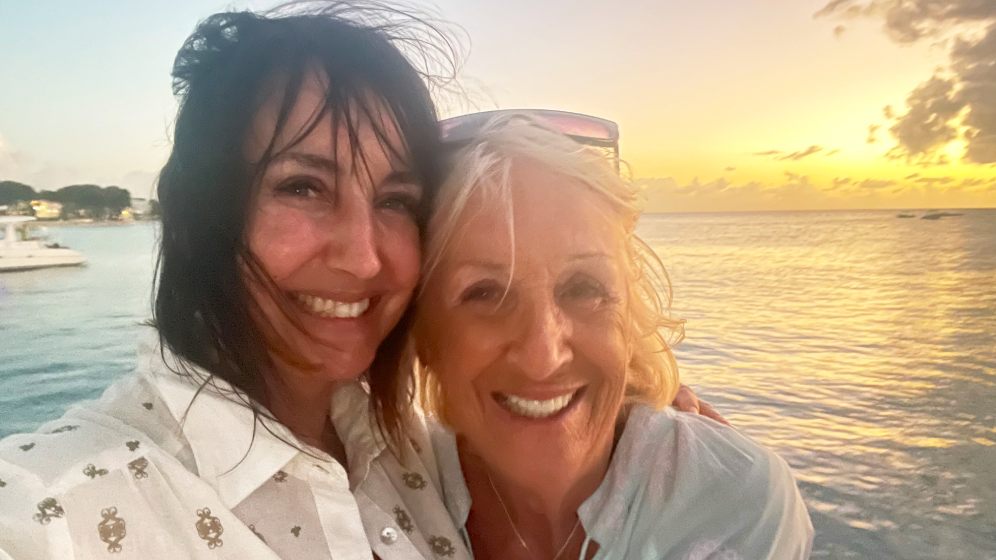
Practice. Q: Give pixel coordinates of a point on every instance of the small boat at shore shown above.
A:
(20, 251)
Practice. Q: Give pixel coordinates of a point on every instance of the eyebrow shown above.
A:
(310, 160)
(589, 255)
(485, 264)
(497, 266)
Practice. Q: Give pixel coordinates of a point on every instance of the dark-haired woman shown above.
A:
(303, 167)
(265, 419)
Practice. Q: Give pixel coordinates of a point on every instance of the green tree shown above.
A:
(116, 199)
(12, 192)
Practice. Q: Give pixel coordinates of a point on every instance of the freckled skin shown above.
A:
(558, 328)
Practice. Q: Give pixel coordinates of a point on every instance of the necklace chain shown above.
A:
(515, 530)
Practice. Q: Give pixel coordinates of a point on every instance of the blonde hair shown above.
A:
(484, 168)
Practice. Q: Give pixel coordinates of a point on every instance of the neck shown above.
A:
(543, 514)
(300, 401)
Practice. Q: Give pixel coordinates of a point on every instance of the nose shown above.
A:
(542, 348)
(353, 240)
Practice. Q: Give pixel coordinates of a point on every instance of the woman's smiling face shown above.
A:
(524, 331)
(336, 234)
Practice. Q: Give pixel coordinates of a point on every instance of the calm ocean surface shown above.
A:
(860, 346)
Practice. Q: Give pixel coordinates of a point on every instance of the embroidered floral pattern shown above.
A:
(27, 446)
(69, 428)
(138, 466)
(296, 530)
(403, 519)
(442, 546)
(253, 529)
(111, 529)
(132, 445)
(414, 480)
(281, 476)
(47, 509)
(209, 528)
(94, 472)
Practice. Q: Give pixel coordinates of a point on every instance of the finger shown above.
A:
(709, 412)
(685, 400)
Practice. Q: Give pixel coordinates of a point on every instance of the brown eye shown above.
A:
(400, 202)
(483, 292)
(300, 187)
(580, 289)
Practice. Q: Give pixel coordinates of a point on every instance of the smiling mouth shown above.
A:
(331, 309)
(537, 408)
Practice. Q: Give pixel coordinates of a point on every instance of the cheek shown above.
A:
(401, 253)
(606, 349)
(282, 238)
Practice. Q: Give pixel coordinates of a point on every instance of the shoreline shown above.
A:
(91, 223)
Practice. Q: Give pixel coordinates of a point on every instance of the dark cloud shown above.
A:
(875, 184)
(767, 153)
(872, 129)
(958, 101)
(796, 156)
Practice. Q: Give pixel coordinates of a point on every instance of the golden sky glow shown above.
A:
(698, 89)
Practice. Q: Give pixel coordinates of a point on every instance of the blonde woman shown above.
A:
(544, 348)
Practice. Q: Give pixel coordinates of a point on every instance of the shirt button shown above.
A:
(388, 535)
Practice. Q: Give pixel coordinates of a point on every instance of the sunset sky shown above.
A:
(722, 104)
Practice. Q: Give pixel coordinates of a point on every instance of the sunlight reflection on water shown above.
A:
(863, 349)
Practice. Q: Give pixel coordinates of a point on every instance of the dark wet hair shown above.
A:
(226, 69)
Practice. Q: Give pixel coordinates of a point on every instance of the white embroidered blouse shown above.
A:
(151, 472)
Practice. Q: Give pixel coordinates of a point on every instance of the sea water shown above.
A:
(858, 345)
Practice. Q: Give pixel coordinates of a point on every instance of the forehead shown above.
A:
(365, 115)
(552, 216)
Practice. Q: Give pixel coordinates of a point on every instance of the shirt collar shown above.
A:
(235, 451)
(605, 512)
(351, 416)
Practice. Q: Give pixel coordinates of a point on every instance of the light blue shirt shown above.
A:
(679, 486)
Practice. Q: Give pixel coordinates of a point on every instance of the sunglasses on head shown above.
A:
(584, 129)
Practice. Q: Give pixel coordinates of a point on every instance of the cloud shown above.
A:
(872, 129)
(913, 176)
(875, 184)
(767, 153)
(959, 101)
(796, 156)
(832, 152)
(838, 31)
(731, 168)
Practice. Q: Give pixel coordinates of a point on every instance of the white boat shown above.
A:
(20, 251)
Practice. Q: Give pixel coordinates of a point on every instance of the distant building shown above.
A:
(46, 209)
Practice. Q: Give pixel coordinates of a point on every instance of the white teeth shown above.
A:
(330, 308)
(537, 409)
